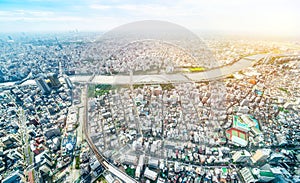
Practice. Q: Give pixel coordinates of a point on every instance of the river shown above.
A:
(185, 77)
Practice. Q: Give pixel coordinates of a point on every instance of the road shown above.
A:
(75, 173)
(29, 157)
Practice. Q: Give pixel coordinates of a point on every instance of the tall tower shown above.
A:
(43, 85)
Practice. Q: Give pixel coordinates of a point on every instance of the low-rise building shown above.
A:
(130, 159)
(152, 175)
(261, 155)
(241, 156)
(247, 175)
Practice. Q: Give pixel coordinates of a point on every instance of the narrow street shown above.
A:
(75, 173)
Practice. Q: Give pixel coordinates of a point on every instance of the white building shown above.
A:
(138, 172)
(130, 159)
(261, 155)
(241, 156)
(150, 174)
(141, 160)
(153, 163)
(247, 175)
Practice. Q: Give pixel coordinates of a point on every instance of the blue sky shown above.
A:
(278, 17)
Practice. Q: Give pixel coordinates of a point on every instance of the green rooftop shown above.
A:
(266, 174)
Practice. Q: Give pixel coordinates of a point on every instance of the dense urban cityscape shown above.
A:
(76, 108)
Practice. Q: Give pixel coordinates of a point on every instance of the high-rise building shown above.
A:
(55, 83)
(16, 176)
(69, 83)
(43, 85)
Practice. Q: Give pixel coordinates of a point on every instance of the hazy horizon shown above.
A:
(275, 18)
